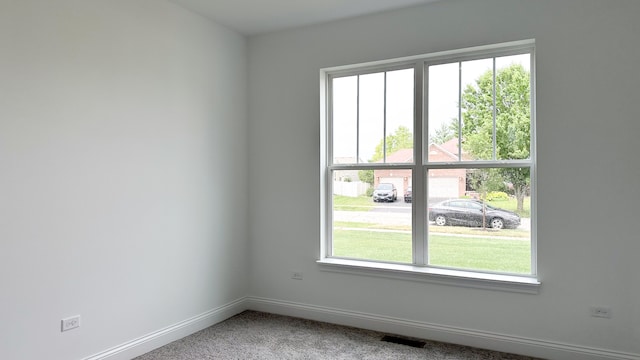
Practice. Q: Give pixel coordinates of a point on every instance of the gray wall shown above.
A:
(123, 160)
(588, 125)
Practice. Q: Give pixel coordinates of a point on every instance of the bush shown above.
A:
(497, 196)
(370, 192)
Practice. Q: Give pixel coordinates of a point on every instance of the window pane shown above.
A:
(345, 125)
(443, 114)
(372, 215)
(480, 219)
(399, 140)
(513, 107)
(371, 122)
(477, 109)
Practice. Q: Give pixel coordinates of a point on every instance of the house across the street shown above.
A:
(443, 183)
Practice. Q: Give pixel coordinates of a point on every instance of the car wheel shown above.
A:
(441, 220)
(497, 223)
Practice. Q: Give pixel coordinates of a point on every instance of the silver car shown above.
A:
(385, 192)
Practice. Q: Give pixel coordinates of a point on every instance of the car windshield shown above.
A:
(385, 187)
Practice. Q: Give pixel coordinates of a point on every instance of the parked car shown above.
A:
(407, 195)
(468, 212)
(385, 192)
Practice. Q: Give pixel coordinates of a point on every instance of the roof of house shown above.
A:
(400, 156)
(449, 148)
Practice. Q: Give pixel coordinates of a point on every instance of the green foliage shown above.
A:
(485, 180)
(513, 114)
(497, 196)
(512, 127)
(369, 192)
(445, 133)
(402, 138)
(366, 176)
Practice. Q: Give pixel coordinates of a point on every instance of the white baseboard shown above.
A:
(499, 342)
(171, 333)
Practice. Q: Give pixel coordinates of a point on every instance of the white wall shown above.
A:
(123, 159)
(588, 128)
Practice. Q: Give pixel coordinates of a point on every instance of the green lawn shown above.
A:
(483, 253)
(461, 230)
(360, 203)
(511, 205)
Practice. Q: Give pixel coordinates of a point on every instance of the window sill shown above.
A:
(508, 283)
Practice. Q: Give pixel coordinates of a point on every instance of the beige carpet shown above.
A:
(256, 335)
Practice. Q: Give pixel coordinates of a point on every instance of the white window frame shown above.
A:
(420, 270)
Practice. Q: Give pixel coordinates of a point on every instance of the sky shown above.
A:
(359, 129)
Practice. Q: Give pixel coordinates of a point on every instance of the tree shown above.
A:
(444, 133)
(513, 122)
(366, 176)
(402, 138)
(483, 181)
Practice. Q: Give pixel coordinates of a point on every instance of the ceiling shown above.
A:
(252, 17)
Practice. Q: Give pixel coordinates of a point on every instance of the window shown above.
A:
(429, 164)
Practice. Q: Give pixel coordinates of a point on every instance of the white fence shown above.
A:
(352, 189)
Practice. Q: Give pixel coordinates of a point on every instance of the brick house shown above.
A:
(443, 183)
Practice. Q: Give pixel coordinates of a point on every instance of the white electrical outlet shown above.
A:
(70, 323)
(601, 311)
(296, 275)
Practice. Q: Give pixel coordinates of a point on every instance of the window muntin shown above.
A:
(444, 104)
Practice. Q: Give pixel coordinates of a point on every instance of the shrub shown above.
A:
(497, 196)
(370, 192)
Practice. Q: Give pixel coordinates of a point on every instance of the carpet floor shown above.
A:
(257, 335)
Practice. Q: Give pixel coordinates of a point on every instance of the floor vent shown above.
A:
(404, 341)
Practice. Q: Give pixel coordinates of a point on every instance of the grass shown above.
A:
(459, 230)
(482, 253)
(360, 203)
(511, 205)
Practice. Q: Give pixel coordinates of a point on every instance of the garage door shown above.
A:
(443, 187)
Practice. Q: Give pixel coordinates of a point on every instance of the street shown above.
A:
(398, 213)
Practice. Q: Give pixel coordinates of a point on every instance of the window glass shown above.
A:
(443, 93)
(487, 227)
(513, 107)
(372, 221)
(345, 120)
(399, 116)
(371, 129)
